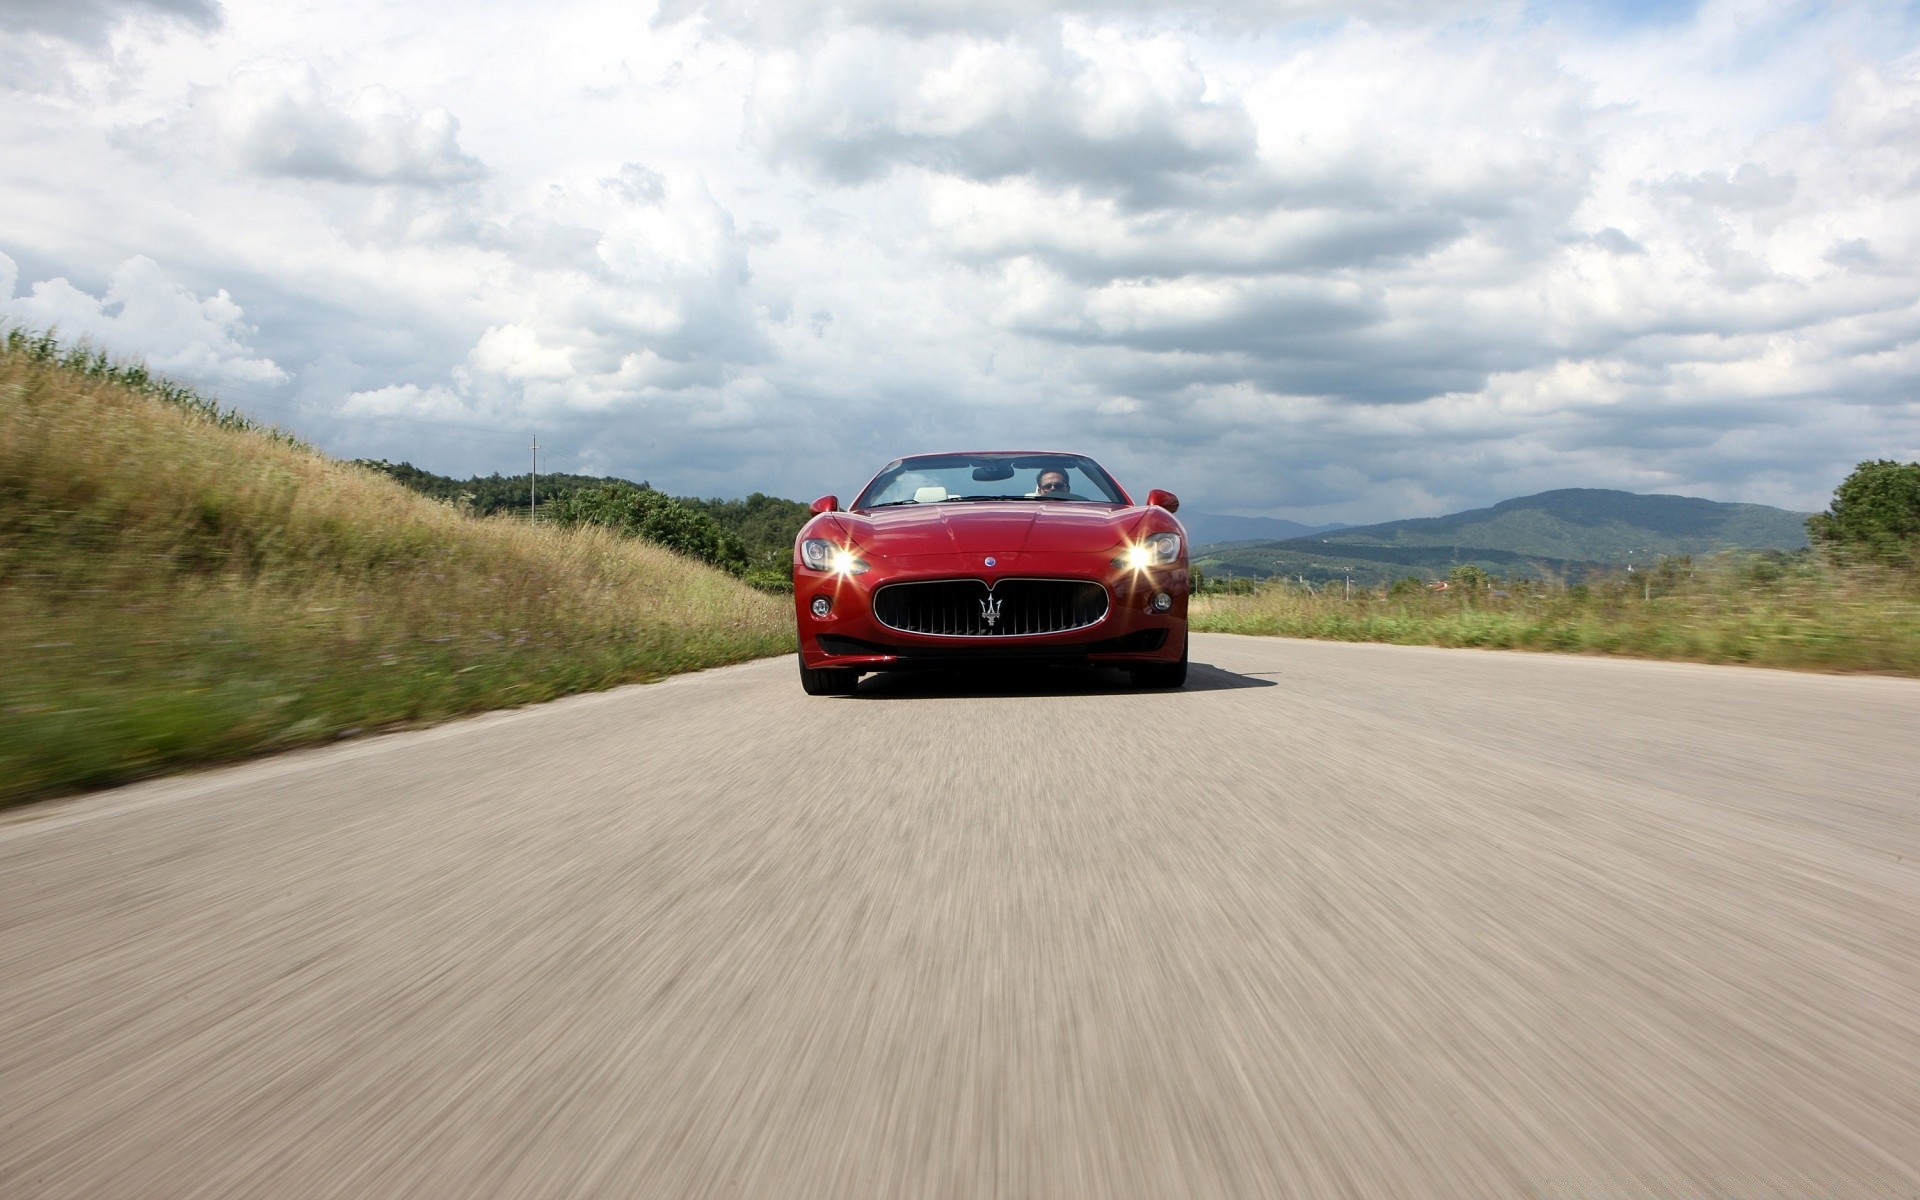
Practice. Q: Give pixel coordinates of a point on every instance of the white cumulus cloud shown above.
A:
(1325, 261)
(283, 119)
(143, 312)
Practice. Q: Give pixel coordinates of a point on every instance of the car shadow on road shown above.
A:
(1041, 681)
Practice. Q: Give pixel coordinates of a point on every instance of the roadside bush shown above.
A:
(1468, 577)
(1874, 517)
(779, 580)
(655, 516)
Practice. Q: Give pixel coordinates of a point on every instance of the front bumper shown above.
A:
(1131, 633)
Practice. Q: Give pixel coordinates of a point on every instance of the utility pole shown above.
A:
(533, 474)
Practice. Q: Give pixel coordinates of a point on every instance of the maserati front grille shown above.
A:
(1010, 608)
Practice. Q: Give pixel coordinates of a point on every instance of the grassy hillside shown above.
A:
(178, 587)
(763, 526)
(1560, 535)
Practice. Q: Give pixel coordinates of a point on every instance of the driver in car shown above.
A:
(1052, 482)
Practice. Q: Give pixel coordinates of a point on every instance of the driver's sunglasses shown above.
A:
(1054, 486)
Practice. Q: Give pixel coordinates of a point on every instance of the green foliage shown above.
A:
(1219, 585)
(1468, 577)
(1671, 573)
(765, 526)
(1874, 517)
(770, 579)
(1407, 585)
(1204, 584)
(645, 513)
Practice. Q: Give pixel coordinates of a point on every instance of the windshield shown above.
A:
(958, 478)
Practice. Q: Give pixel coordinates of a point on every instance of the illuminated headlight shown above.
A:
(821, 555)
(1158, 550)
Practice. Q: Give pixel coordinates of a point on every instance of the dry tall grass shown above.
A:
(1803, 615)
(174, 589)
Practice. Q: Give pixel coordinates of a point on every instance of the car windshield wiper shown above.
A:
(950, 499)
(893, 503)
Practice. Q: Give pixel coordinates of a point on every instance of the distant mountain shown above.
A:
(1210, 529)
(1597, 525)
(1563, 534)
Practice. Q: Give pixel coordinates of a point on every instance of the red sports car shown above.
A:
(951, 560)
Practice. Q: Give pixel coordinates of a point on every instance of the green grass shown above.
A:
(179, 587)
(1803, 616)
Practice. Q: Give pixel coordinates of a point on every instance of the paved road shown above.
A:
(1335, 921)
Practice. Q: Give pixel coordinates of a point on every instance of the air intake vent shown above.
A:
(1011, 608)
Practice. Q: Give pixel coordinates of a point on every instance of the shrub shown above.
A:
(645, 513)
(1874, 517)
(1469, 578)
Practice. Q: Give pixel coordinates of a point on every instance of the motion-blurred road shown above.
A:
(1334, 921)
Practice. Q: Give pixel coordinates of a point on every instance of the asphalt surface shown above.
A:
(1334, 921)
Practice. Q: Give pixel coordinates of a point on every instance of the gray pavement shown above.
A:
(1334, 921)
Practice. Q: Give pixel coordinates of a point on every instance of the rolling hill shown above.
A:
(764, 526)
(1211, 529)
(1558, 534)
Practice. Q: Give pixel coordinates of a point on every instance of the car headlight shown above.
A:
(1155, 550)
(821, 555)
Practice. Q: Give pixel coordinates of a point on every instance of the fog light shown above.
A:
(821, 607)
(1162, 602)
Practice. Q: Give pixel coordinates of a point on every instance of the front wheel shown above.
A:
(1162, 675)
(828, 681)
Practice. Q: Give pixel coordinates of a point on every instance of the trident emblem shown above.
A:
(990, 610)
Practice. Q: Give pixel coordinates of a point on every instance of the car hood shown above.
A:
(1013, 527)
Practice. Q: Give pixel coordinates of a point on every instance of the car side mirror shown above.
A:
(825, 504)
(1160, 498)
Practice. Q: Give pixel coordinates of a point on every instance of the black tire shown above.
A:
(1162, 675)
(828, 681)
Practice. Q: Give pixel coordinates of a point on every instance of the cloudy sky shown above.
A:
(1287, 257)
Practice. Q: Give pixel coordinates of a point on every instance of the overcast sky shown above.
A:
(1302, 259)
